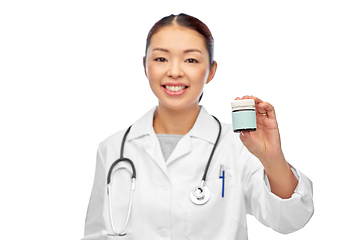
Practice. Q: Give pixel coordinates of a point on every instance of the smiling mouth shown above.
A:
(174, 88)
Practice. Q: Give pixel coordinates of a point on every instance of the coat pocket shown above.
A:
(218, 218)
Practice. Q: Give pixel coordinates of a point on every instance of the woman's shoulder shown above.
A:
(231, 140)
(228, 133)
(139, 127)
(113, 140)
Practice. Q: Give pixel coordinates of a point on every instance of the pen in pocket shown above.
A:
(222, 175)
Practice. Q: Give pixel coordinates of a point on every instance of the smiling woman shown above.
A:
(188, 22)
(177, 64)
(177, 142)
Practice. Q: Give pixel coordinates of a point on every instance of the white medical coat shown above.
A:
(162, 208)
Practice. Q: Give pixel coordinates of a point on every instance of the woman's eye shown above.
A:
(161, 59)
(191, 60)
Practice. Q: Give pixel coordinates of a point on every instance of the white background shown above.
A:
(71, 75)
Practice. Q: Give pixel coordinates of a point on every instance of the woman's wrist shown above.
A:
(281, 178)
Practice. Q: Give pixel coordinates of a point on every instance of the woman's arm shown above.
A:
(265, 144)
(94, 222)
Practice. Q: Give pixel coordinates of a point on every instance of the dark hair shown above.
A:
(187, 21)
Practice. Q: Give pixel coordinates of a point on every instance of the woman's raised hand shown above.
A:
(264, 143)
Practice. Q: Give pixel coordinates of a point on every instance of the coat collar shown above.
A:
(205, 126)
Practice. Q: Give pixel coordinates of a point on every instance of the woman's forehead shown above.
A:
(175, 36)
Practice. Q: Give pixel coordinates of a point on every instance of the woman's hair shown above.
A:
(187, 21)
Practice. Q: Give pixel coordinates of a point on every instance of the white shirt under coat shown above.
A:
(162, 208)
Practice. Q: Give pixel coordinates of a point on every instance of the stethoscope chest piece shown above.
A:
(200, 195)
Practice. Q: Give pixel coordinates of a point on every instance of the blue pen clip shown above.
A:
(222, 175)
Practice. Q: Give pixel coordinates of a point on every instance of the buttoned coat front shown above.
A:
(162, 208)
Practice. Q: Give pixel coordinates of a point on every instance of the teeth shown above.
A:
(175, 88)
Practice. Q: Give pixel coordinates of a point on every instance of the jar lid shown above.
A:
(243, 103)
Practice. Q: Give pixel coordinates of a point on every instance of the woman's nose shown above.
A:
(175, 70)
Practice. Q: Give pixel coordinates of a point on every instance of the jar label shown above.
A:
(243, 120)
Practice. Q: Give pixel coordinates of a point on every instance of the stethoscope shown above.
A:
(199, 194)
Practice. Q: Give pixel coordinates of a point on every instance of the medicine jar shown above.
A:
(243, 115)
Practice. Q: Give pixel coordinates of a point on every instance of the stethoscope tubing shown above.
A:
(212, 152)
(121, 159)
(195, 200)
(123, 231)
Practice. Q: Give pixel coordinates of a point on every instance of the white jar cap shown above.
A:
(243, 103)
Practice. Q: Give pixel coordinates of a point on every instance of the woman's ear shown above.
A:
(144, 64)
(212, 72)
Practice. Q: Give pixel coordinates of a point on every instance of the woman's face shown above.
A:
(177, 66)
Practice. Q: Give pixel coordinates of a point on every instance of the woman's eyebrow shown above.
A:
(186, 51)
(192, 50)
(161, 49)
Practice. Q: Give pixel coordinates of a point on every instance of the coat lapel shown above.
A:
(204, 128)
(182, 148)
(143, 129)
(153, 149)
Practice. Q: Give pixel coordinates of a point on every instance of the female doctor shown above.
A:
(170, 148)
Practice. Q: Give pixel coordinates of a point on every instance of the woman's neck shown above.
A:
(170, 121)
